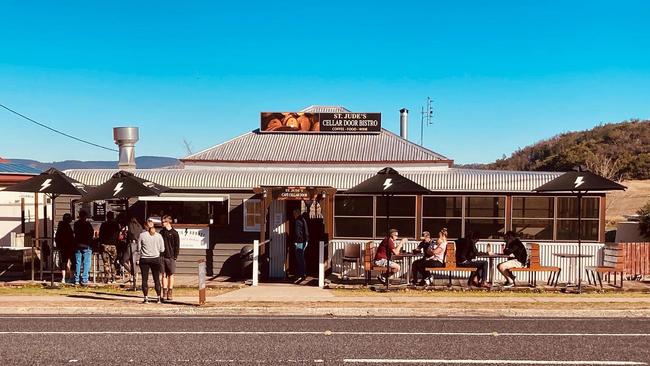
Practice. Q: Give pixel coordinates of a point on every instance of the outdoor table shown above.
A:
(491, 266)
(572, 257)
(407, 258)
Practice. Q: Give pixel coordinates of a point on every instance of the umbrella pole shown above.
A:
(579, 242)
(126, 213)
(53, 197)
(389, 252)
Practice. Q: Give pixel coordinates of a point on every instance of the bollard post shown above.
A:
(202, 280)
(256, 254)
(321, 264)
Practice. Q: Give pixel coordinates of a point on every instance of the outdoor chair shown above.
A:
(450, 264)
(613, 262)
(535, 266)
(351, 254)
(368, 261)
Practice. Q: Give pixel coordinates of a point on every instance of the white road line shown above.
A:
(497, 362)
(327, 333)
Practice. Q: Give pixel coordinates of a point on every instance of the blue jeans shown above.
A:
(85, 255)
(300, 258)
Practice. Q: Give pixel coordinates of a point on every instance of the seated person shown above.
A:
(466, 253)
(434, 256)
(516, 249)
(385, 249)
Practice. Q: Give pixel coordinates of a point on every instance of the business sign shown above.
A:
(99, 211)
(295, 193)
(346, 122)
(193, 238)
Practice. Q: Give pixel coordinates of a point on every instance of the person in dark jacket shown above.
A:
(172, 248)
(65, 243)
(466, 254)
(516, 249)
(300, 239)
(109, 232)
(131, 254)
(83, 238)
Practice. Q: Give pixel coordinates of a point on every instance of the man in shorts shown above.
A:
(518, 257)
(172, 247)
(386, 249)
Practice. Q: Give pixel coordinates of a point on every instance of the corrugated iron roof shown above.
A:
(384, 147)
(447, 180)
(7, 167)
(325, 109)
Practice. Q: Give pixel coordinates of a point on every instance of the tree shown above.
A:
(644, 220)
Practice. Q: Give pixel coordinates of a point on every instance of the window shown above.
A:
(485, 215)
(365, 216)
(402, 216)
(567, 218)
(532, 217)
(193, 212)
(439, 212)
(353, 216)
(252, 215)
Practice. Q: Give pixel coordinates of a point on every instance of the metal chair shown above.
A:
(351, 254)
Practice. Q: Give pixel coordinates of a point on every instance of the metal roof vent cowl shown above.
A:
(125, 138)
(404, 123)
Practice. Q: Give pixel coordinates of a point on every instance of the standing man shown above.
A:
(172, 247)
(517, 251)
(83, 237)
(65, 243)
(109, 232)
(300, 239)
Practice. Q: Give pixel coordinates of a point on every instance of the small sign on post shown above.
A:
(202, 281)
(256, 263)
(321, 264)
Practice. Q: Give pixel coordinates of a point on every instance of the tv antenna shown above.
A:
(427, 118)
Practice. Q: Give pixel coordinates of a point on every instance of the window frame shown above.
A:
(552, 219)
(374, 216)
(246, 228)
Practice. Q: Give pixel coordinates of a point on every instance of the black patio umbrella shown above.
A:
(388, 182)
(122, 186)
(579, 182)
(52, 183)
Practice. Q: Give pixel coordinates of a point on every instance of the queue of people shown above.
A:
(129, 245)
(433, 256)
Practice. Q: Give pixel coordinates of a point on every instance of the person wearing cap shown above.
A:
(83, 238)
(65, 243)
(519, 256)
(381, 256)
(434, 256)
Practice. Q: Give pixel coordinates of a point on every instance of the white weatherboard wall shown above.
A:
(10, 215)
(546, 257)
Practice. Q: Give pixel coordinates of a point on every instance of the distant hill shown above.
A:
(615, 150)
(142, 162)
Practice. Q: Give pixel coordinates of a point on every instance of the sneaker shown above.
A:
(146, 300)
(508, 285)
(427, 281)
(381, 279)
(76, 283)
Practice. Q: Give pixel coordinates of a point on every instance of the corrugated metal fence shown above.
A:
(546, 257)
(637, 259)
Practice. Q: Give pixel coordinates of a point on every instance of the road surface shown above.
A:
(198, 340)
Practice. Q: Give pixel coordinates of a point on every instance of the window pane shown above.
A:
(533, 229)
(536, 207)
(568, 207)
(486, 206)
(351, 227)
(442, 207)
(568, 230)
(488, 228)
(353, 206)
(434, 225)
(405, 226)
(399, 206)
(182, 212)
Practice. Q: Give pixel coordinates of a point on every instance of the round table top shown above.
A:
(572, 255)
(406, 255)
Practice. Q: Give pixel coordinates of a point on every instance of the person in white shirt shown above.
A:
(150, 245)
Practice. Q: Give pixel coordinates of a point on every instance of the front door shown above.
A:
(278, 236)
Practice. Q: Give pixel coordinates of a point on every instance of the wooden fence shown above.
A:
(637, 259)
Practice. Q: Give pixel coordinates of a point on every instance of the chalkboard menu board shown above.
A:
(99, 211)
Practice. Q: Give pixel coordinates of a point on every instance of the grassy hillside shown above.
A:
(616, 150)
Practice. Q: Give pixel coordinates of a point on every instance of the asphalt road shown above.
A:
(200, 340)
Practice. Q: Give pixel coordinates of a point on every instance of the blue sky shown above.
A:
(502, 74)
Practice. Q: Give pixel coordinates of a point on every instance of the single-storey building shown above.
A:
(245, 189)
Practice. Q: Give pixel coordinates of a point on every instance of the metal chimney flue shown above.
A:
(404, 123)
(125, 138)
